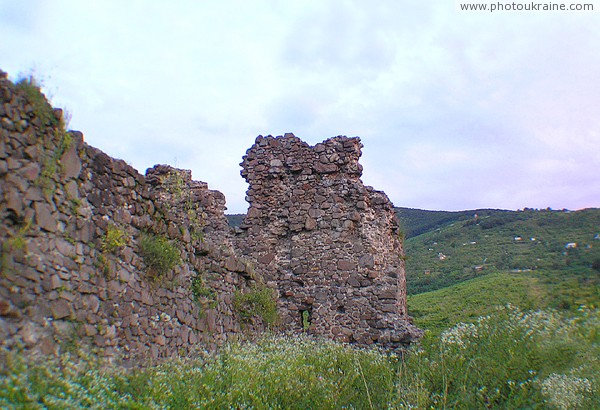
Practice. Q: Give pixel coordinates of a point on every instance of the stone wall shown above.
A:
(74, 270)
(328, 243)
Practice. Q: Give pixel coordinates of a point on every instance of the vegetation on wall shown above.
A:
(16, 243)
(113, 239)
(258, 301)
(159, 254)
(42, 110)
(204, 296)
(48, 118)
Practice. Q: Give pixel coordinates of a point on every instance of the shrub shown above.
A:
(160, 255)
(259, 301)
(113, 239)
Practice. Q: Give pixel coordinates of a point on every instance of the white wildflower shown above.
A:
(566, 392)
(459, 335)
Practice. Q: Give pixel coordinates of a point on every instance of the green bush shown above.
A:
(160, 255)
(259, 301)
(113, 239)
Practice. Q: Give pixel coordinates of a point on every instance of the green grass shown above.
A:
(113, 239)
(436, 310)
(258, 301)
(510, 359)
(41, 108)
(440, 309)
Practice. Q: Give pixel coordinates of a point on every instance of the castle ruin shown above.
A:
(73, 262)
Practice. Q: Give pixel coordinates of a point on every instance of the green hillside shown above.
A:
(417, 221)
(464, 302)
(554, 246)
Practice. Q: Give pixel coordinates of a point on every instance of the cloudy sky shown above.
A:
(457, 110)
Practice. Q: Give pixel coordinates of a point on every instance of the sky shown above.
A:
(456, 110)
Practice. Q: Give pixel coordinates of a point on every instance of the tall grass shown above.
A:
(507, 360)
(511, 359)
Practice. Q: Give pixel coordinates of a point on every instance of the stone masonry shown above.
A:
(329, 244)
(61, 283)
(73, 271)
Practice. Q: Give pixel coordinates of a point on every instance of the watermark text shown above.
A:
(531, 6)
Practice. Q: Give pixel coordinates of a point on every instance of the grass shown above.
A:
(113, 239)
(44, 111)
(160, 255)
(204, 296)
(437, 310)
(510, 359)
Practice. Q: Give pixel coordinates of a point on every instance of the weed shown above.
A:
(509, 360)
(497, 361)
(305, 320)
(205, 296)
(174, 183)
(15, 243)
(259, 301)
(113, 239)
(75, 205)
(102, 263)
(45, 113)
(160, 255)
(32, 90)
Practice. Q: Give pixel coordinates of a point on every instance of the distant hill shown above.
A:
(235, 219)
(558, 248)
(417, 221)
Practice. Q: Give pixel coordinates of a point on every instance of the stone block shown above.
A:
(44, 217)
(346, 265)
(366, 261)
(60, 309)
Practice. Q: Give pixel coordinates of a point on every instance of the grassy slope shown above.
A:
(437, 310)
(485, 266)
(417, 221)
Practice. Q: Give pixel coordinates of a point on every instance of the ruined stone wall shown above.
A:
(328, 243)
(72, 271)
(74, 221)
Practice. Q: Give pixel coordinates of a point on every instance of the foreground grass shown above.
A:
(510, 359)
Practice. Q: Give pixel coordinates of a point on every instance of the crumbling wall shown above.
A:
(328, 243)
(72, 269)
(75, 270)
